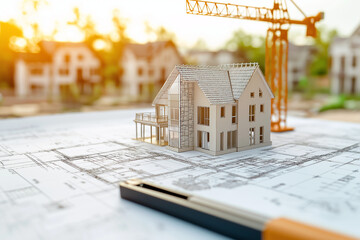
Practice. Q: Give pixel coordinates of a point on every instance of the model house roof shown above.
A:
(220, 84)
(213, 81)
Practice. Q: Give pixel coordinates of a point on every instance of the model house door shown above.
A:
(205, 139)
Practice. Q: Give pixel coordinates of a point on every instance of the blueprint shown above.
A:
(59, 178)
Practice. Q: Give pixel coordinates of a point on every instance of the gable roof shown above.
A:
(150, 49)
(48, 48)
(213, 81)
(220, 84)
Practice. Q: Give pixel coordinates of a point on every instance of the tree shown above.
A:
(85, 25)
(116, 40)
(200, 44)
(159, 33)
(30, 20)
(249, 48)
(319, 66)
(8, 32)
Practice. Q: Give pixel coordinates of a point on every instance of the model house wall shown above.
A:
(345, 66)
(215, 109)
(57, 64)
(146, 65)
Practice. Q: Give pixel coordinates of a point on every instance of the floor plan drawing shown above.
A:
(59, 177)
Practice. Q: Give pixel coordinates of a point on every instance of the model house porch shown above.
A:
(152, 127)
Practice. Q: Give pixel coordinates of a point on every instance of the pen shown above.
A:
(232, 222)
(228, 220)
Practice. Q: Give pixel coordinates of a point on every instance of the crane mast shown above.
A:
(276, 44)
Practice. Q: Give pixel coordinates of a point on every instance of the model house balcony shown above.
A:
(151, 128)
(151, 118)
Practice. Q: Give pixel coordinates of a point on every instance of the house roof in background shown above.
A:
(51, 46)
(48, 48)
(150, 49)
(34, 57)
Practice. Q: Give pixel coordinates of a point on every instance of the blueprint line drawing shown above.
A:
(59, 177)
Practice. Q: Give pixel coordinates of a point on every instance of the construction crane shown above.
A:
(276, 60)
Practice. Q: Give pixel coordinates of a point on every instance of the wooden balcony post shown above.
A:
(136, 130)
(151, 134)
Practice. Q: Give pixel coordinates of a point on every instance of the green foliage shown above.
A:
(342, 102)
(69, 94)
(303, 83)
(319, 66)
(249, 48)
(336, 103)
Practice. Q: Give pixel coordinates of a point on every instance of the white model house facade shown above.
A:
(57, 64)
(212, 109)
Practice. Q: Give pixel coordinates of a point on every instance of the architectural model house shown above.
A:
(212, 109)
(57, 64)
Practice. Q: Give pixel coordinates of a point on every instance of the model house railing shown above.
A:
(151, 117)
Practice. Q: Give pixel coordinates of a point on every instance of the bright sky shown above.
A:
(339, 14)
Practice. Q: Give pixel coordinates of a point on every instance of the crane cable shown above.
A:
(298, 8)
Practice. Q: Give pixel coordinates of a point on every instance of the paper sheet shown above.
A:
(59, 176)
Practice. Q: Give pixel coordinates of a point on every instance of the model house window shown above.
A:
(140, 71)
(221, 141)
(251, 113)
(80, 57)
(231, 139)
(151, 72)
(233, 114)
(234, 137)
(260, 93)
(222, 112)
(251, 136)
(203, 115)
(67, 58)
(261, 135)
(252, 94)
(261, 107)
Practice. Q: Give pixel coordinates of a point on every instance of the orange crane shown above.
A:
(276, 60)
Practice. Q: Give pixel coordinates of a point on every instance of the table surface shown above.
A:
(59, 177)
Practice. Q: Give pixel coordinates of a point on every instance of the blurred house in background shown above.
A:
(299, 60)
(345, 65)
(146, 67)
(56, 66)
(204, 57)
